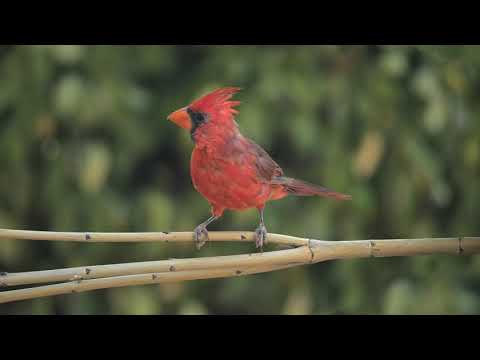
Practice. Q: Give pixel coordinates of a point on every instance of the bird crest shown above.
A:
(217, 102)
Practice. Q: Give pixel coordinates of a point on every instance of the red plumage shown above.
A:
(231, 171)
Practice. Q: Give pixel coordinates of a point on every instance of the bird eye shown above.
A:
(197, 118)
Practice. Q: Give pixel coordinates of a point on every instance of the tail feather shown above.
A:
(302, 188)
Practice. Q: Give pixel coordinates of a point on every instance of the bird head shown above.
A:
(214, 107)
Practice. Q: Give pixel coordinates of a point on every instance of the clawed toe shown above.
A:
(260, 237)
(200, 236)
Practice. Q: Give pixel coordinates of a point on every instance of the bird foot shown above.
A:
(200, 236)
(261, 236)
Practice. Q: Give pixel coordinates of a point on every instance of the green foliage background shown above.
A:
(85, 146)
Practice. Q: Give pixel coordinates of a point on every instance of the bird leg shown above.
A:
(202, 232)
(261, 233)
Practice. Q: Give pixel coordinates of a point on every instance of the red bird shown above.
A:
(231, 171)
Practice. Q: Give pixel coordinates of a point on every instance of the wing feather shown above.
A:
(266, 167)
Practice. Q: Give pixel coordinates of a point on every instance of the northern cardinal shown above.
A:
(231, 171)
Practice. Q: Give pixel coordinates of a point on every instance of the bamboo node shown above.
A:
(311, 251)
(77, 278)
(460, 248)
(88, 271)
(172, 268)
(88, 237)
(372, 248)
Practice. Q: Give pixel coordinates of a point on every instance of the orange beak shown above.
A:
(181, 118)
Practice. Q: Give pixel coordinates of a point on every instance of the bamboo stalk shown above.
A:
(309, 251)
(80, 285)
(299, 255)
(336, 250)
(320, 250)
(95, 237)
